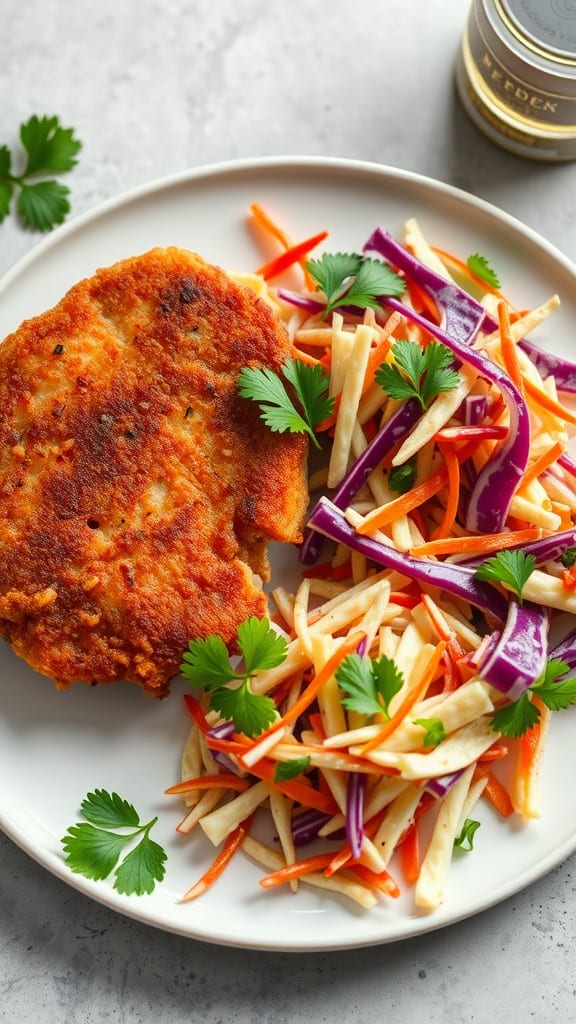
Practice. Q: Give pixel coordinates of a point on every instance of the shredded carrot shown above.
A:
(542, 463)
(268, 225)
(232, 843)
(298, 869)
(528, 761)
(296, 789)
(415, 693)
(508, 347)
(494, 753)
(545, 401)
(423, 302)
(488, 431)
(224, 780)
(197, 713)
(384, 881)
(405, 503)
(291, 256)
(472, 543)
(349, 644)
(496, 792)
(452, 464)
(304, 357)
(409, 850)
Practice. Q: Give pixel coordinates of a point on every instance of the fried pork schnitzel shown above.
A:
(137, 489)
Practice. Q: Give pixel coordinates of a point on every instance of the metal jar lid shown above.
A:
(517, 74)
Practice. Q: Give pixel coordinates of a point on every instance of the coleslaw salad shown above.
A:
(392, 578)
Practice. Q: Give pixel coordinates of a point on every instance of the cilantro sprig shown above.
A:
(50, 149)
(555, 692)
(277, 409)
(369, 685)
(348, 279)
(480, 266)
(512, 567)
(93, 847)
(206, 664)
(421, 373)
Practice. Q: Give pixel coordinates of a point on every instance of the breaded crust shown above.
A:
(137, 489)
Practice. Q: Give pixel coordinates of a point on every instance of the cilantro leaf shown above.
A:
(311, 385)
(353, 280)
(512, 567)
(369, 685)
(481, 268)
(50, 149)
(515, 719)
(141, 868)
(421, 373)
(286, 770)
(401, 478)
(465, 841)
(332, 271)
(373, 280)
(556, 693)
(93, 852)
(277, 408)
(568, 557)
(43, 205)
(109, 810)
(251, 713)
(261, 645)
(434, 731)
(206, 663)
(94, 847)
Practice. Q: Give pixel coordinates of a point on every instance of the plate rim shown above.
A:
(100, 892)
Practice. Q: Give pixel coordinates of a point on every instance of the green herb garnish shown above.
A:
(481, 268)
(50, 149)
(206, 664)
(402, 478)
(94, 847)
(369, 685)
(512, 567)
(568, 557)
(348, 279)
(286, 770)
(434, 731)
(279, 413)
(465, 840)
(555, 693)
(421, 373)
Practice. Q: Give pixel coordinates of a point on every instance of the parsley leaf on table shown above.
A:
(93, 847)
(555, 693)
(206, 664)
(512, 567)
(277, 409)
(50, 149)
(348, 279)
(421, 373)
(480, 266)
(369, 685)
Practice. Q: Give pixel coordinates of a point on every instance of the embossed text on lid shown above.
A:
(546, 23)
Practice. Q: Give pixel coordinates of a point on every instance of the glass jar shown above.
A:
(516, 75)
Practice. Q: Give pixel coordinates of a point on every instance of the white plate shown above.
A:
(55, 747)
